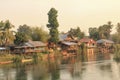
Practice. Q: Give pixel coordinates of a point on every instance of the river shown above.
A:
(99, 67)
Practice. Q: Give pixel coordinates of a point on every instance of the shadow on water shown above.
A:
(54, 66)
(117, 53)
(21, 72)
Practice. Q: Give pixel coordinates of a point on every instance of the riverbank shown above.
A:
(16, 58)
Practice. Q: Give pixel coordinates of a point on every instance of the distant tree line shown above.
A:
(25, 32)
(104, 32)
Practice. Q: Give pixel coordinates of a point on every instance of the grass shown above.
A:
(117, 53)
(6, 57)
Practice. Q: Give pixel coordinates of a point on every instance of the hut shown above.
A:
(105, 45)
(30, 47)
(89, 43)
(69, 47)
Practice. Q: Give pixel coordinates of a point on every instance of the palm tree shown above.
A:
(6, 35)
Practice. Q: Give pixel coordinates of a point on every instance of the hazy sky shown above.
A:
(71, 13)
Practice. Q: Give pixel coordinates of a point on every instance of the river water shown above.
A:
(95, 67)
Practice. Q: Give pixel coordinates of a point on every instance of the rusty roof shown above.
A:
(86, 40)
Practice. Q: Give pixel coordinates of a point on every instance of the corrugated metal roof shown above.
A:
(69, 43)
(2, 48)
(105, 40)
(35, 43)
(63, 36)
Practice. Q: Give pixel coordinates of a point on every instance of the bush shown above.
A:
(17, 59)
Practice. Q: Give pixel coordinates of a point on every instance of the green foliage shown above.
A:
(117, 53)
(25, 29)
(20, 38)
(93, 33)
(118, 28)
(26, 33)
(76, 33)
(52, 16)
(6, 35)
(23, 34)
(35, 58)
(38, 34)
(53, 25)
(103, 32)
(116, 36)
(54, 35)
(17, 59)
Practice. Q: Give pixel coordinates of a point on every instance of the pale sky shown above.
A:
(71, 13)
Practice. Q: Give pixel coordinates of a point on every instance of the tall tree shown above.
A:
(53, 26)
(6, 34)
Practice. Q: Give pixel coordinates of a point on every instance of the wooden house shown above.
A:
(69, 47)
(104, 42)
(68, 43)
(67, 37)
(30, 47)
(89, 43)
(105, 45)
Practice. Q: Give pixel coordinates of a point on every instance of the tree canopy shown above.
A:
(25, 33)
(102, 32)
(53, 25)
(76, 33)
(38, 34)
(6, 34)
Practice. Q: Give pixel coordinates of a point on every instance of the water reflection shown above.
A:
(21, 72)
(54, 69)
(93, 66)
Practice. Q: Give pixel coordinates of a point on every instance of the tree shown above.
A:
(6, 35)
(76, 33)
(53, 25)
(25, 29)
(1, 32)
(93, 33)
(38, 34)
(104, 30)
(23, 34)
(20, 38)
(118, 28)
(116, 36)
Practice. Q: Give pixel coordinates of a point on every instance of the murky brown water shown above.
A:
(91, 67)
